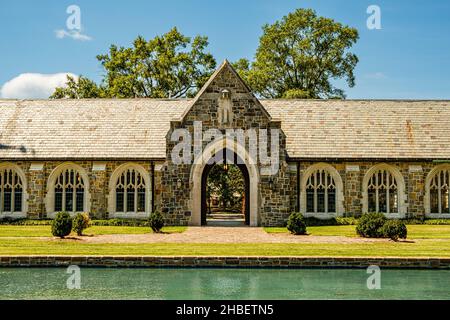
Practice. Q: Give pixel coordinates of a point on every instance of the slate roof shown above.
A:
(86, 129)
(136, 128)
(351, 129)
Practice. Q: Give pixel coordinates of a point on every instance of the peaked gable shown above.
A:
(225, 78)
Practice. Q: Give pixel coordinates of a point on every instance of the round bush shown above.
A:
(370, 224)
(296, 224)
(394, 229)
(81, 222)
(156, 221)
(62, 225)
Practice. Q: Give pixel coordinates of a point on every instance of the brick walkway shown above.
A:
(223, 235)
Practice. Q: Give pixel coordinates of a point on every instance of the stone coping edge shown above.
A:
(223, 262)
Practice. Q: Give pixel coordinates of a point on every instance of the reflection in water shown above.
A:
(98, 283)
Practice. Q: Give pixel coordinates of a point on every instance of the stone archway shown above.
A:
(245, 175)
(197, 175)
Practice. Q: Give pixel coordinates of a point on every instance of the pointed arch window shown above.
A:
(321, 193)
(382, 192)
(11, 191)
(69, 192)
(439, 192)
(131, 192)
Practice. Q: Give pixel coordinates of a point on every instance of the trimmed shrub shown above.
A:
(313, 222)
(156, 221)
(62, 225)
(81, 222)
(394, 229)
(296, 224)
(26, 222)
(437, 221)
(346, 221)
(120, 223)
(370, 224)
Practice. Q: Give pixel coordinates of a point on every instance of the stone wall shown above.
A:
(352, 175)
(222, 262)
(177, 201)
(37, 175)
(278, 196)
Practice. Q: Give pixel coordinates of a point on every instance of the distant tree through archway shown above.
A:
(225, 190)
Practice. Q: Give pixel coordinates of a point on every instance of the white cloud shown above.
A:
(33, 85)
(376, 76)
(76, 35)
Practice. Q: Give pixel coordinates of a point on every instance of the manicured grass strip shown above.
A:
(45, 231)
(414, 231)
(422, 248)
(428, 231)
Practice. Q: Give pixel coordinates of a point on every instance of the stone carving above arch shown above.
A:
(225, 109)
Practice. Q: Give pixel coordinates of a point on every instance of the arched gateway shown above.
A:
(199, 173)
(225, 115)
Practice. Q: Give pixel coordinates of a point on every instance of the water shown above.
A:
(102, 283)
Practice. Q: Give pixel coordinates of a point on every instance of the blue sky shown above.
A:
(409, 58)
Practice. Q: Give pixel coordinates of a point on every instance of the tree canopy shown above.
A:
(167, 66)
(299, 56)
(226, 182)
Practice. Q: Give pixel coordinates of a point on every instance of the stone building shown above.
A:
(324, 158)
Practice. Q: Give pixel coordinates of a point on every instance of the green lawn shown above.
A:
(45, 231)
(425, 241)
(421, 248)
(421, 231)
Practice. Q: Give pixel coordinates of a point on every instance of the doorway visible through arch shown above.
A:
(226, 159)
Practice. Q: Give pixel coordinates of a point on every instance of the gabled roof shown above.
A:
(136, 128)
(358, 129)
(97, 128)
(225, 66)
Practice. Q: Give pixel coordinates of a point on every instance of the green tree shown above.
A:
(227, 183)
(167, 66)
(299, 56)
(80, 88)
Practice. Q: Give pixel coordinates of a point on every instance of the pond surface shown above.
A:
(204, 284)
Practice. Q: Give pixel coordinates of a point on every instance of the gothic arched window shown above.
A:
(320, 193)
(129, 192)
(439, 192)
(11, 191)
(69, 192)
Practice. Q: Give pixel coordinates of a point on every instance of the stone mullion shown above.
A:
(326, 191)
(13, 191)
(448, 190)
(377, 200)
(315, 192)
(388, 205)
(125, 193)
(135, 192)
(439, 193)
(2, 192)
(64, 192)
(74, 193)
